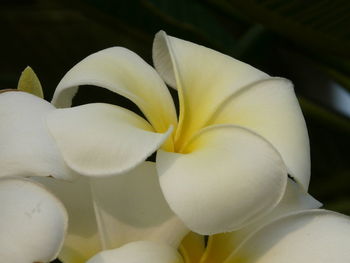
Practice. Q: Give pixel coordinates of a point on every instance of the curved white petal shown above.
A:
(102, 139)
(227, 177)
(32, 222)
(106, 213)
(310, 236)
(122, 71)
(82, 240)
(204, 79)
(26, 146)
(295, 199)
(220, 246)
(270, 108)
(139, 252)
(134, 208)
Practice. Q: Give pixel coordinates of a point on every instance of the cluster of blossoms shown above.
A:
(229, 184)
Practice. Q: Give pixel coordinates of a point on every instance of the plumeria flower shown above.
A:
(107, 213)
(33, 222)
(104, 213)
(293, 232)
(221, 164)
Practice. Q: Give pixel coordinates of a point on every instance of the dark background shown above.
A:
(305, 41)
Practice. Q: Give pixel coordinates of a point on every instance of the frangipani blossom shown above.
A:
(33, 222)
(293, 232)
(106, 213)
(221, 165)
(307, 236)
(103, 213)
(231, 116)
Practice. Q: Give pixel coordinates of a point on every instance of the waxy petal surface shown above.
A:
(26, 146)
(124, 72)
(310, 236)
(82, 240)
(203, 77)
(106, 213)
(139, 252)
(270, 108)
(226, 178)
(32, 222)
(220, 246)
(102, 139)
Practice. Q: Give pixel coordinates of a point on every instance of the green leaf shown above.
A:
(29, 82)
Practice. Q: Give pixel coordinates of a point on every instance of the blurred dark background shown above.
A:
(305, 41)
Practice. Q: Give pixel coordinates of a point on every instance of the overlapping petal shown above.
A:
(137, 252)
(124, 72)
(102, 139)
(203, 77)
(107, 213)
(240, 133)
(270, 108)
(26, 146)
(308, 236)
(226, 177)
(217, 89)
(82, 240)
(220, 246)
(32, 222)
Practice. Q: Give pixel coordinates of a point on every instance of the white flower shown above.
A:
(106, 213)
(221, 165)
(293, 232)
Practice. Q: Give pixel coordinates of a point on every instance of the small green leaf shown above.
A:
(29, 82)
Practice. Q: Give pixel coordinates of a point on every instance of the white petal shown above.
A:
(122, 71)
(82, 240)
(103, 139)
(204, 79)
(311, 236)
(26, 146)
(227, 177)
(139, 252)
(295, 199)
(133, 207)
(271, 109)
(32, 222)
(220, 246)
(128, 207)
